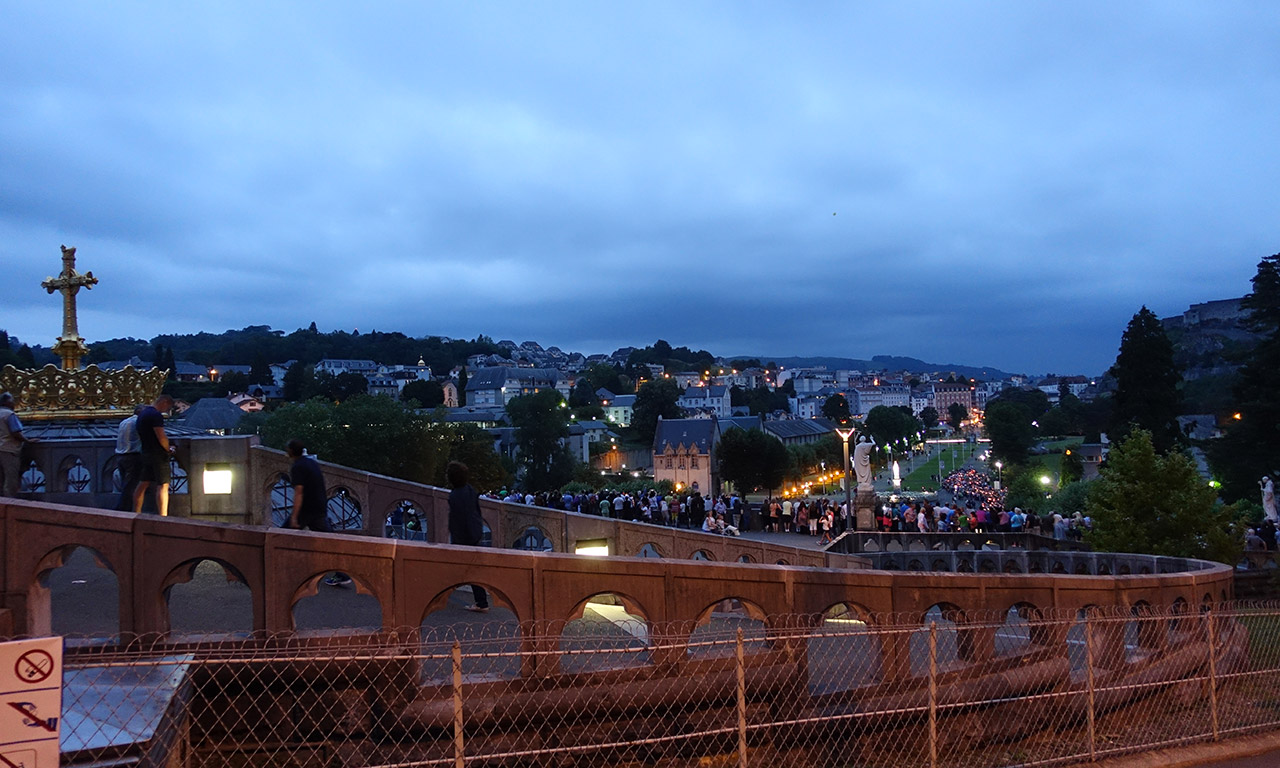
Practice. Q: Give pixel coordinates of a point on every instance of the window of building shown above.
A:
(693, 462)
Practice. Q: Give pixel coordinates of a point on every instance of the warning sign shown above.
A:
(30, 703)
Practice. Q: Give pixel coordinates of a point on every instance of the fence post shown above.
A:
(1213, 672)
(742, 702)
(459, 759)
(1088, 666)
(933, 694)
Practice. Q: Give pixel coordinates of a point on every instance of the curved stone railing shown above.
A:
(864, 542)
(410, 579)
(377, 495)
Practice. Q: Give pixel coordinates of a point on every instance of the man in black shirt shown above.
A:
(156, 452)
(310, 508)
(310, 500)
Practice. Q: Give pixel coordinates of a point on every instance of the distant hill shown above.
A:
(886, 362)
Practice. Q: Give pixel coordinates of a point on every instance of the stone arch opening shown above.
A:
(649, 550)
(1082, 568)
(745, 558)
(280, 500)
(893, 546)
(407, 521)
(492, 642)
(1144, 632)
(1023, 629)
(1011, 566)
(1125, 570)
(1179, 623)
(74, 476)
(781, 562)
(207, 599)
(715, 633)
(845, 653)
(987, 565)
(320, 608)
(343, 511)
(178, 484)
(702, 554)
(75, 592)
(111, 478)
(33, 480)
(915, 565)
(964, 566)
(534, 539)
(605, 631)
(940, 565)
(955, 648)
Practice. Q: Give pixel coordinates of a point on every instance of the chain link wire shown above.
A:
(840, 689)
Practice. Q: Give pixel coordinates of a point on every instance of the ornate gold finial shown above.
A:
(70, 346)
(69, 392)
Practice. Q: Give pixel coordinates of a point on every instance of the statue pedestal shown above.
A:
(864, 505)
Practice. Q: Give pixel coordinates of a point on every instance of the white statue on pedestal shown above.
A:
(862, 462)
(1269, 499)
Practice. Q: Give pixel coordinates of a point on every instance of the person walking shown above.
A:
(156, 453)
(310, 500)
(466, 525)
(11, 441)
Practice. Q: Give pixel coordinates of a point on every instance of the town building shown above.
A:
(684, 452)
(713, 400)
(499, 386)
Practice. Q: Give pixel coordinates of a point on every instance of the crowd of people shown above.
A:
(976, 507)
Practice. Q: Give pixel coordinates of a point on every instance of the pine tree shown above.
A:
(1147, 394)
(1251, 447)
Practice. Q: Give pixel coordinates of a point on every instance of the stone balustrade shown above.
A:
(280, 567)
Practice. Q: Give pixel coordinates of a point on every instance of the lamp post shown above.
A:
(845, 434)
(999, 474)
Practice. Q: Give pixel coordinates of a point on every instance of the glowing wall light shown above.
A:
(592, 547)
(217, 479)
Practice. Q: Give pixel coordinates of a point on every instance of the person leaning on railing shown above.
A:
(466, 525)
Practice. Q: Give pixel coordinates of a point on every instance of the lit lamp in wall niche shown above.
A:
(217, 479)
(592, 547)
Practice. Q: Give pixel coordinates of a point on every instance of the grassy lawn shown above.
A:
(922, 475)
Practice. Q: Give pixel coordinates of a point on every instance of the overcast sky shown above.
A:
(986, 183)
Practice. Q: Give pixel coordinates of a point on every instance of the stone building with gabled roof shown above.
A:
(684, 452)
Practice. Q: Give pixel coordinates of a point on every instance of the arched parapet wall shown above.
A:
(545, 588)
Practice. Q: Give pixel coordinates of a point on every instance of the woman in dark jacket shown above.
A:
(466, 526)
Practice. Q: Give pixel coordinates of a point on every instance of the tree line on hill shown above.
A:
(1150, 496)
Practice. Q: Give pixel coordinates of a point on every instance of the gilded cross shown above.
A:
(70, 346)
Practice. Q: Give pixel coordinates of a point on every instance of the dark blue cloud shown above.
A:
(1009, 183)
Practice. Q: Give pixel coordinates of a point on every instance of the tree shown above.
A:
(1147, 379)
(1071, 468)
(1251, 446)
(655, 398)
(300, 382)
(752, 459)
(888, 426)
(542, 425)
(836, 408)
(260, 370)
(763, 400)
(427, 393)
(956, 414)
(929, 417)
(1025, 490)
(1009, 427)
(1158, 504)
(233, 383)
(1072, 498)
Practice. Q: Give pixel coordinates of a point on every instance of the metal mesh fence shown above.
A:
(843, 688)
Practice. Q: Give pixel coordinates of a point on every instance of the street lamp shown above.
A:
(845, 434)
(999, 474)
